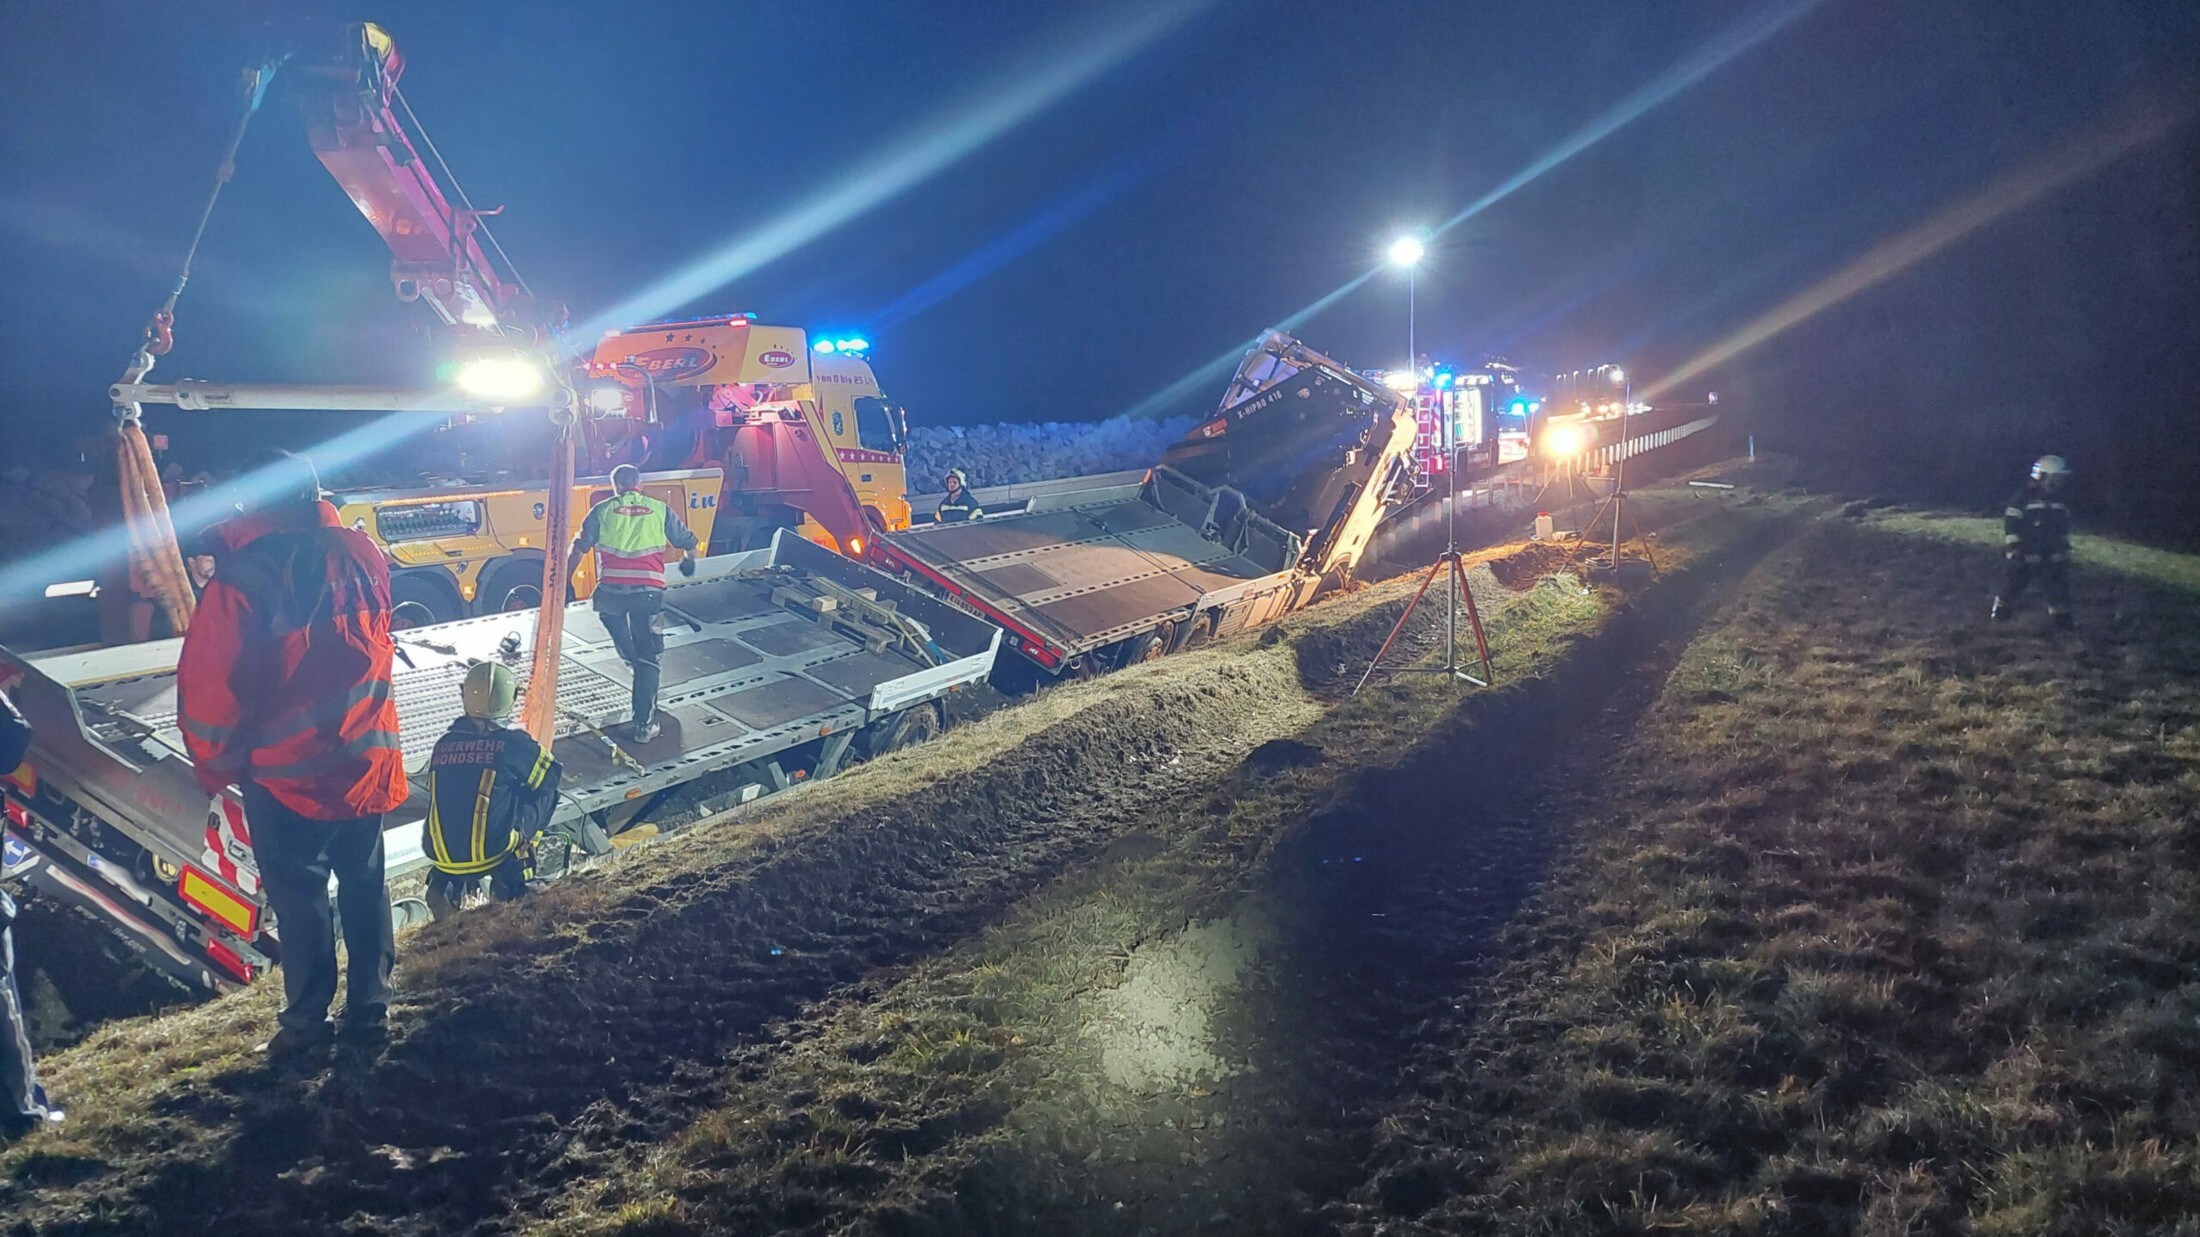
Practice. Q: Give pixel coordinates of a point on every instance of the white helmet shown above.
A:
(2050, 470)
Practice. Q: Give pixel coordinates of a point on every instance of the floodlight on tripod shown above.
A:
(1454, 600)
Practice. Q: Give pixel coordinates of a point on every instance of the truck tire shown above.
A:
(418, 599)
(1153, 646)
(514, 584)
(907, 728)
(1202, 633)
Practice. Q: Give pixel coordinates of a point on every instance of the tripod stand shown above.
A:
(1451, 668)
(1616, 503)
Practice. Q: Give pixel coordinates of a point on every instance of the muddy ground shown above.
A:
(1208, 946)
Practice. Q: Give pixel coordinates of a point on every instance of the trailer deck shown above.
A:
(1110, 562)
(774, 662)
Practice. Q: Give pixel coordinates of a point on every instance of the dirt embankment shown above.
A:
(1201, 1032)
(645, 1017)
(596, 1013)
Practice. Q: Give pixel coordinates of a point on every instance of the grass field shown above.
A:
(1886, 924)
(1781, 895)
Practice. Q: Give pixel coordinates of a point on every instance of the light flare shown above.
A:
(1658, 90)
(96, 553)
(2069, 161)
(908, 159)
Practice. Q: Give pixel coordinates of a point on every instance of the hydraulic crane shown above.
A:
(352, 108)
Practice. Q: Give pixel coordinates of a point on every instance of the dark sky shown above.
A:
(1249, 159)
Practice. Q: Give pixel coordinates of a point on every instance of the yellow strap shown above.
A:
(435, 827)
(541, 769)
(481, 811)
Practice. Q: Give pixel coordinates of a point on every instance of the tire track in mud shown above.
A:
(511, 1053)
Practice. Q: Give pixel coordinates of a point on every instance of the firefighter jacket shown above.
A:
(630, 533)
(284, 679)
(491, 789)
(2036, 525)
(957, 507)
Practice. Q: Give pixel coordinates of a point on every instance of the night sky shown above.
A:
(1189, 175)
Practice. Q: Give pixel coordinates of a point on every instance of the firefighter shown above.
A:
(23, 1105)
(630, 532)
(491, 789)
(959, 505)
(283, 689)
(2035, 534)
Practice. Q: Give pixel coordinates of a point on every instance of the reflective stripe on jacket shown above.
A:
(491, 789)
(2036, 524)
(284, 678)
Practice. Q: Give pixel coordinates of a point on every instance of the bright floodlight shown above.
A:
(504, 379)
(1564, 441)
(1618, 374)
(1407, 251)
(1402, 380)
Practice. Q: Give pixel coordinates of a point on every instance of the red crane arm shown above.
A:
(348, 104)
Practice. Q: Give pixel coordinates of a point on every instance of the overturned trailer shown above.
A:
(1246, 518)
(780, 665)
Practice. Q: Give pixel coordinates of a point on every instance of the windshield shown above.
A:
(879, 425)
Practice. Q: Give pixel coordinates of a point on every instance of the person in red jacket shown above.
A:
(283, 689)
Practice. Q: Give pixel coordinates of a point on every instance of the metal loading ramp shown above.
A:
(1092, 572)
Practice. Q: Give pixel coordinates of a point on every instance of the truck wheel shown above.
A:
(1153, 646)
(1337, 579)
(419, 602)
(1202, 633)
(509, 587)
(905, 729)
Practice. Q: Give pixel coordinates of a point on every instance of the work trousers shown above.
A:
(297, 856)
(21, 1100)
(508, 880)
(2053, 575)
(631, 615)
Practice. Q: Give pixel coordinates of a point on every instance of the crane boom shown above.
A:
(351, 105)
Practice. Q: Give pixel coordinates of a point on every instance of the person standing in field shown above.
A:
(283, 690)
(2035, 534)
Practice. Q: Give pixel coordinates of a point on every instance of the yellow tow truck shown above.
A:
(741, 426)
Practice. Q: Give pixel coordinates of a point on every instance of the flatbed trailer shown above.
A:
(1247, 518)
(1122, 567)
(781, 665)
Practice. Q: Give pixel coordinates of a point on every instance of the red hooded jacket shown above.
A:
(285, 674)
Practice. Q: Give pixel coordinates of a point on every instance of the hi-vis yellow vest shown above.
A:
(630, 540)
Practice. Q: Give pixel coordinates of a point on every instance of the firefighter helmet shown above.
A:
(489, 691)
(956, 475)
(2050, 470)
